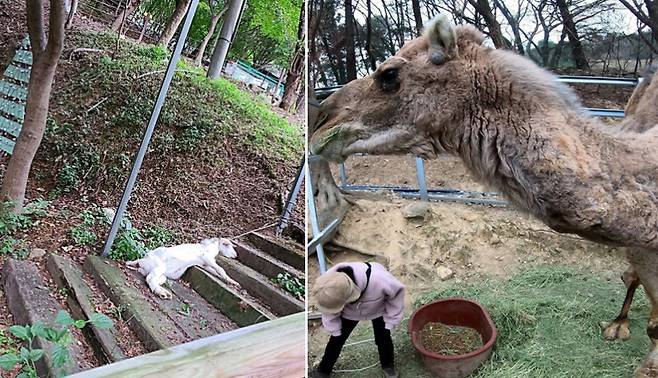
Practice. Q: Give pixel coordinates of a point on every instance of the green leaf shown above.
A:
(25, 354)
(36, 354)
(20, 332)
(60, 356)
(101, 321)
(63, 337)
(80, 324)
(8, 361)
(51, 334)
(38, 329)
(64, 318)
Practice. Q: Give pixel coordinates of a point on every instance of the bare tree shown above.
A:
(572, 33)
(46, 52)
(296, 70)
(514, 21)
(484, 9)
(649, 18)
(350, 49)
(418, 17)
(174, 21)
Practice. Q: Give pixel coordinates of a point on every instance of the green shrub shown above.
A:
(28, 355)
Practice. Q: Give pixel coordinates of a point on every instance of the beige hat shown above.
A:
(333, 290)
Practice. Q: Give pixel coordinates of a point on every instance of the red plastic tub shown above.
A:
(456, 312)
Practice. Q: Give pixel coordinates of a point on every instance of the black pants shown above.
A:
(335, 344)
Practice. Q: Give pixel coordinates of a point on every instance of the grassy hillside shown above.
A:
(219, 164)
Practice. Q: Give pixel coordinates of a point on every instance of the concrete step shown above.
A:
(237, 304)
(29, 301)
(263, 262)
(258, 285)
(278, 248)
(68, 276)
(154, 329)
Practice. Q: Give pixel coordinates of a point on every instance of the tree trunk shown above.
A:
(46, 56)
(371, 57)
(484, 9)
(71, 15)
(574, 40)
(296, 70)
(125, 13)
(211, 30)
(350, 50)
(513, 23)
(415, 5)
(174, 22)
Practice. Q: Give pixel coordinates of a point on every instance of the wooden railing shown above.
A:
(273, 349)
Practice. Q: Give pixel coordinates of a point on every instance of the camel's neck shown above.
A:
(562, 169)
(516, 153)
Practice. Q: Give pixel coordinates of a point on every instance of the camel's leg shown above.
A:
(155, 279)
(620, 327)
(645, 264)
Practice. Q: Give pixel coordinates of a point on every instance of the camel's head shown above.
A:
(409, 98)
(223, 245)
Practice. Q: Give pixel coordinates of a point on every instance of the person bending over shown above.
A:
(350, 292)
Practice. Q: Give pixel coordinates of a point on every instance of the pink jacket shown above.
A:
(383, 297)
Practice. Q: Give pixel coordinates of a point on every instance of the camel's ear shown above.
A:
(442, 39)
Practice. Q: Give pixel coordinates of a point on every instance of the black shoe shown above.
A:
(318, 374)
(390, 372)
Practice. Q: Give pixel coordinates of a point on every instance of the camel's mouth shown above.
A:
(329, 143)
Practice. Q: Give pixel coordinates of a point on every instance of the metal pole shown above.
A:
(343, 175)
(292, 198)
(422, 185)
(312, 214)
(148, 133)
(225, 38)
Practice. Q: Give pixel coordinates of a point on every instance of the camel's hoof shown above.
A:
(617, 330)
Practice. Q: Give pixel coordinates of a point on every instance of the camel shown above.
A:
(516, 129)
(641, 116)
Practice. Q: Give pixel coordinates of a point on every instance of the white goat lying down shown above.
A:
(172, 262)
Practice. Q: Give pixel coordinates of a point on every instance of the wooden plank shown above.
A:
(281, 302)
(7, 145)
(23, 56)
(264, 263)
(29, 301)
(277, 249)
(238, 307)
(79, 299)
(12, 108)
(273, 349)
(152, 327)
(10, 127)
(20, 74)
(13, 91)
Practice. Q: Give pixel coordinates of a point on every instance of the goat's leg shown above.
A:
(212, 267)
(620, 327)
(155, 279)
(645, 265)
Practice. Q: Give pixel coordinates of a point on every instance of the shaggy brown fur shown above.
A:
(641, 117)
(516, 129)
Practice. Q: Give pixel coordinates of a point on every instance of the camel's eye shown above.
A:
(388, 80)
